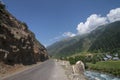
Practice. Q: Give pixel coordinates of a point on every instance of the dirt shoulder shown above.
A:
(8, 70)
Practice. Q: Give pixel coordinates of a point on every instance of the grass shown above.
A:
(112, 67)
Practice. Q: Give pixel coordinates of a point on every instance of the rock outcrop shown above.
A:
(79, 67)
(18, 44)
(74, 72)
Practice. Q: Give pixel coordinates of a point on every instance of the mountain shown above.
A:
(105, 38)
(61, 46)
(109, 40)
(18, 44)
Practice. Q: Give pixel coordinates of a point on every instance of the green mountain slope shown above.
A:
(58, 46)
(109, 40)
(105, 38)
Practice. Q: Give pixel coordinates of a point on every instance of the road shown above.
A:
(48, 70)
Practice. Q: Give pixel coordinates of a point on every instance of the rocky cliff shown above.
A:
(17, 43)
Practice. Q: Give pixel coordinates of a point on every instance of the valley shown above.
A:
(99, 49)
(48, 46)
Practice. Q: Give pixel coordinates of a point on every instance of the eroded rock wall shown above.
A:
(17, 43)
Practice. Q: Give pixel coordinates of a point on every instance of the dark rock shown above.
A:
(17, 43)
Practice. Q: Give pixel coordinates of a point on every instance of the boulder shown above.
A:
(74, 72)
(79, 67)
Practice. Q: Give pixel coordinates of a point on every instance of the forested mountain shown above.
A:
(109, 40)
(105, 38)
(58, 46)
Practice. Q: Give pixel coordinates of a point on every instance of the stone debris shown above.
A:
(74, 72)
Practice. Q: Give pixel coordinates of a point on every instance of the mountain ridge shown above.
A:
(87, 42)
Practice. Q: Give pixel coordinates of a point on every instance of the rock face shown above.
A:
(74, 72)
(17, 42)
(79, 67)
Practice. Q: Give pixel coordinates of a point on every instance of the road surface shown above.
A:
(48, 70)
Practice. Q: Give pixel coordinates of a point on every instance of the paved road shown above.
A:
(48, 70)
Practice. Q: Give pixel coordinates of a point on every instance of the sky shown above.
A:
(53, 20)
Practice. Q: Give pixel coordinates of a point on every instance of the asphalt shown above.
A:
(48, 70)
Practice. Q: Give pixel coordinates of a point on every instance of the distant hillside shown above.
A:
(57, 47)
(105, 38)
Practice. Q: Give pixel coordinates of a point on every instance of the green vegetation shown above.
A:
(109, 40)
(58, 46)
(91, 58)
(112, 67)
(96, 62)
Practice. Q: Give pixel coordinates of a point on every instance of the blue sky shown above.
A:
(52, 20)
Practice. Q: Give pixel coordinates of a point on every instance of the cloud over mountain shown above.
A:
(91, 23)
(94, 20)
(114, 15)
(69, 34)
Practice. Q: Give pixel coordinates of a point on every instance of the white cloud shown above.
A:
(60, 37)
(91, 23)
(56, 38)
(114, 15)
(95, 20)
(69, 34)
